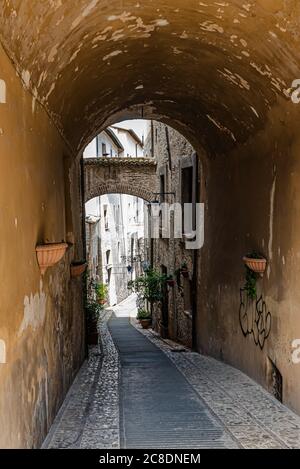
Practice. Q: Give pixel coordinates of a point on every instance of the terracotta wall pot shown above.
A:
(171, 283)
(77, 269)
(256, 265)
(50, 254)
(145, 323)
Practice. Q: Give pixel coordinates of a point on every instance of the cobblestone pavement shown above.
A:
(246, 414)
(89, 416)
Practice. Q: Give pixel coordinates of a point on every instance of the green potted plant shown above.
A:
(101, 292)
(145, 318)
(255, 264)
(171, 281)
(149, 286)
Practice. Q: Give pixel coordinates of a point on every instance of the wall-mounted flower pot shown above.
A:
(171, 282)
(77, 268)
(102, 302)
(185, 273)
(50, 254)
(256, 265)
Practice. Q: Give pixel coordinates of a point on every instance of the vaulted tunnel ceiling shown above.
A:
(213, 67)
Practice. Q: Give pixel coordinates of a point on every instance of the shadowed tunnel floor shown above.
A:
(158, 407)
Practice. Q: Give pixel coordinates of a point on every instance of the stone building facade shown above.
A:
(177, 178)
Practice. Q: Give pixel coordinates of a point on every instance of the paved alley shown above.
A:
(137, 391)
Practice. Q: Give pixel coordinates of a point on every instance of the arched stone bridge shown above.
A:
(132, 176)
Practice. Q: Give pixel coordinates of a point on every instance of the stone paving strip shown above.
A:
(89, 416)
(248, 412)
(159, 407)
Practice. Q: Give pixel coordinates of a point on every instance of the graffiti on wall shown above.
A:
(255, 319)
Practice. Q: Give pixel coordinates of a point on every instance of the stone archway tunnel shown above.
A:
(221, 73)
(132, 176)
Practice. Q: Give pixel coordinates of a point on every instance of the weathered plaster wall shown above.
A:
(41, 321)
(252, 203)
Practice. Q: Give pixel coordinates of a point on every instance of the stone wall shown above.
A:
(171, 253)
(41, 318)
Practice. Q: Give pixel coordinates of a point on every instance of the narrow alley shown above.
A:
(149, 225)
(138, 391)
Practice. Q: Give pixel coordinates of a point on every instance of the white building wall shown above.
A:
(131, 146)
(124, 221)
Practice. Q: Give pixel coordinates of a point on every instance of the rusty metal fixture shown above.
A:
(50, 254)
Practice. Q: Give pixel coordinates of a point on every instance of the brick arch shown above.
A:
(132, 176)
(118, 188)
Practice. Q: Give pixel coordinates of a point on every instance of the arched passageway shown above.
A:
(221, 73)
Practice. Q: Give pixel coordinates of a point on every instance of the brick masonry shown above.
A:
(132, 176)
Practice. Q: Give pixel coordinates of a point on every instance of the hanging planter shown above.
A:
(50, 254)
(184, 271)
(256, 263)
(77, 268)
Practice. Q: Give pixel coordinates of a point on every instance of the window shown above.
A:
(108, 276)
(162, 191)
(187, 196)
(188, 299)
(105, 215)
(104, 149)
(97, 146)
(108, 257)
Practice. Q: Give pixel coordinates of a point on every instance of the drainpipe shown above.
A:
(152, 139)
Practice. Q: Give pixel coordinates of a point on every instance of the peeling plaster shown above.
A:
(221, 127)
(84, 13)
(26, 78)
(112, 54)
(2, 351)
(34, 311)
(2, 92)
